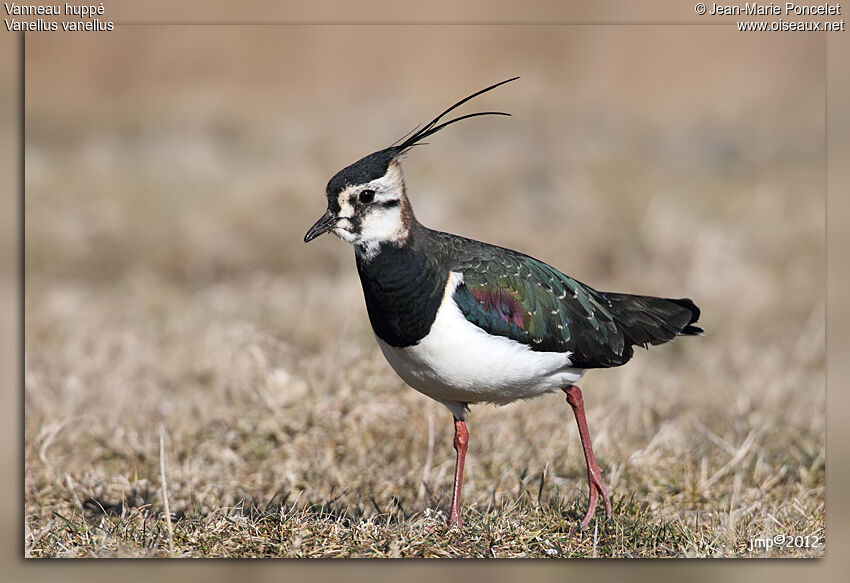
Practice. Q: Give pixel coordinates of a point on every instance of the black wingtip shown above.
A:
(690, 329)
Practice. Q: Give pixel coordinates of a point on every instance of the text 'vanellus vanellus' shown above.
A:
(466, 322)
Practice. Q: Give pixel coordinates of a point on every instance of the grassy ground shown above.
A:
(169, 294)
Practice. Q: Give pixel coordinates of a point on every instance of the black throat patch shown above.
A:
(403, 290)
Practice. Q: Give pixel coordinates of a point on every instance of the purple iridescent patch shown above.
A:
(506, 305)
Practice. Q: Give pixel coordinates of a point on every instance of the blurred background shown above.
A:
(171, 172)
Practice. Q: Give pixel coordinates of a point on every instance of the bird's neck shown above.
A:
(403, 287)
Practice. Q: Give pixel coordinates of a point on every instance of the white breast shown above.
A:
(458, 362)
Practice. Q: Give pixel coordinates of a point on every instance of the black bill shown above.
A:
(322, 226)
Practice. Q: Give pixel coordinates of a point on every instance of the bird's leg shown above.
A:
(594, 475)
(461, 440)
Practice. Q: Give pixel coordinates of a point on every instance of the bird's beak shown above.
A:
(321, 227)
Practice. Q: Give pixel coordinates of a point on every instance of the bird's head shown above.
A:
(367, 205)
(367, 202)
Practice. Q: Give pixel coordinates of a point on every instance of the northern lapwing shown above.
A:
(467, 322)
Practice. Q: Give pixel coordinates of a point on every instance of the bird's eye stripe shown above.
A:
(388, 204)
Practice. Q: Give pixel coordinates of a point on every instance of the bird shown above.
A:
(467, 322)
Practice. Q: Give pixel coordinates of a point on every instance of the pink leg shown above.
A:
(594, 475)
(461, 440)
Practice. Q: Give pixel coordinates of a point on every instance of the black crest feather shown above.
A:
(375, 164)
(432, 127)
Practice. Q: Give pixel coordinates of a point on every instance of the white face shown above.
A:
(381, 220)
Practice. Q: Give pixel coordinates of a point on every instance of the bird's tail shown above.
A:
(651, 320)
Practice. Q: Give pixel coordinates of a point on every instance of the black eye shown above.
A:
(366, 196)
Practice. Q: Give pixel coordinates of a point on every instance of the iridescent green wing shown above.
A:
(516, 296)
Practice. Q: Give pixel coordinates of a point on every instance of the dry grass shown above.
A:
(167, 286)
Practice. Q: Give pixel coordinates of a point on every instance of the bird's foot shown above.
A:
(597, 490)
(455, 520)
(581, 526)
